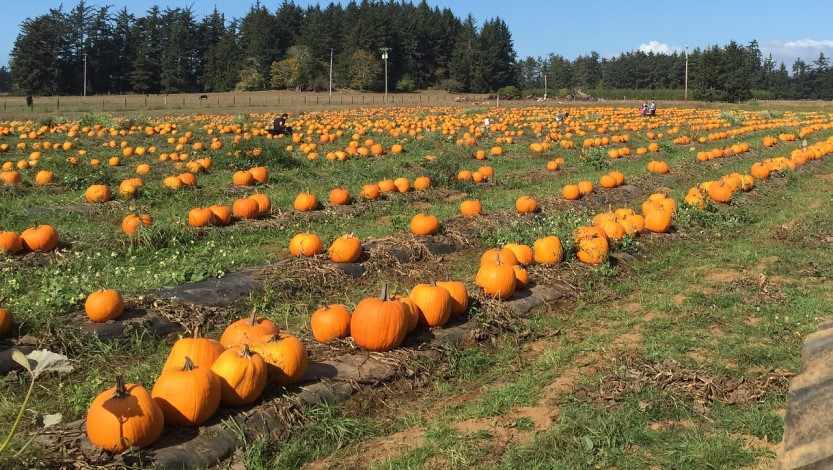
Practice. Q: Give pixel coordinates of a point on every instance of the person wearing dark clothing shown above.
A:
(279, 126)
(29, 101)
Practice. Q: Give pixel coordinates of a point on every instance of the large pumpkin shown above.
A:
(305, 202)
(305, 244)
(591, 245)
(330, 323)
(187, 396)
(10, 243)
(247, 331)
(523, 253)
(434, 304)
(424, 225)
(496, 279)
(243, 376)
(285, 356)
(42, 238)
(379, 324)
(122, 417)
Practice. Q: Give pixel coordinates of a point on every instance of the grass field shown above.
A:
(676, 353)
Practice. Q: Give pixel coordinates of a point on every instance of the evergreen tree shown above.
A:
(464, 67)
(497, 55)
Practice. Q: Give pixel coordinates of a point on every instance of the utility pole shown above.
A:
(331, 73)
(686, 73)
(85, 74)
(385, 55)
(545, 84)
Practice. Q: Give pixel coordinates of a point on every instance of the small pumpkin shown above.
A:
(242, 179)
(470, 208)
(187, 396)
(371, 192)
(10, 243)
(285, 357)
(330, 323)
(422, 183)
(131, 224)
(305, 202)
(104, 305)
(264, 204)
(499, 256)
(260, 174)
(526, 205)
(122, 417)
(345, 249)
(497, 280)
(305, 244)
(247, 331)
(521, 277)
(571, 192)
(548, 251)
(379, 324)
(243, 376)
(591, 245)
(245, 209)
(339, 197)
(424, 225)
(97, 193)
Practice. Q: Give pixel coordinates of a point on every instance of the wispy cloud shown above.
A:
(806, 49)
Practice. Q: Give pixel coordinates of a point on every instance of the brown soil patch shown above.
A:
(827, 177)
(698, 355)
(632, 307)
(453, 197)
(670, 424)
(373, 451)
(752, 320)
(628, 342)
(421, 205)
(679, 299)
(716, 331)
(722, 276)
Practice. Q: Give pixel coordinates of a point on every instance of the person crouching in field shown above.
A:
(279, 126)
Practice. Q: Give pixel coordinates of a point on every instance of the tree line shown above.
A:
(170, 50)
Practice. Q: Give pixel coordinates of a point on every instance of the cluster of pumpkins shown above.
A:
(728, 151)
(382, 323)
(250, 177)
(340, 196)
(481, 175)
(574, 192)
(658, 167)
(722, 190)
(245, 208)
(40, 239)
(199, 375)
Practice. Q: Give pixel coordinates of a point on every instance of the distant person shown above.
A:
(279, 126)
(30, 102)
(487, 123)
(652, 109)
(643, 110)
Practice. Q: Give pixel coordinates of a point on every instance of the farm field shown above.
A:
(659, 328)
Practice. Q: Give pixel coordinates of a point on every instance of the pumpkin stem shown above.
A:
(121, 390)
(189, 364)
(196, 331)
(384, 294)
(254, 317)
(245, 352)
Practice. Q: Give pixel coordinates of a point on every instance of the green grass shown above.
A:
(41, 294)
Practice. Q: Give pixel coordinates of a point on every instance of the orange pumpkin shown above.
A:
(424, 225)
(201, 351)
(200, 217)
(285, 357)
(470, 208)
(330, 323)
(305, 244)
(379, 324)
(41, 239)
(459, 296)
(10, 243)
(245, 209)
(548, 251)
(345, 249)
(305, 202)
(243, 376)
(122, 417)
(247, 331)
(497, 280)
(187, 396)
(339, 197)
(523, 253)
(526, 205)
(104, 305)
(434, 304)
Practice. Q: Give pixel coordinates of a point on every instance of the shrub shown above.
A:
(510, 92)
(452, 86)
(406, 85)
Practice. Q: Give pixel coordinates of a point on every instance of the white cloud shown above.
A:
(656, 47)
(807, 49)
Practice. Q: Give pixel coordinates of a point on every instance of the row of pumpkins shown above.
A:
(202, 374)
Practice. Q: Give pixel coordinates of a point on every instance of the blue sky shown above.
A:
(788, 29)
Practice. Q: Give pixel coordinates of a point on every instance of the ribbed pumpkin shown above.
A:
(247, 331)
(371, 192)
(459, 296)
(305, 202)
(131, 224)
(548, 251)
(285, 356)
(521, 277)
(571, 192)
(42, 238)
(499, 256)
(187, 396)
(201, 351)
(10, 243)
(243, 376)
(305, 244)
(591, 245)
(339, 197)
(379, 324)
(411, 311)
(242, 178)
(200, 217)
(345, 249)
(122, 417)
(496, 279)
(260, 174)
(97, 193)
(657, 217)
(422, 183)
(264, 204)
(434, 304)
(222, 214)
(245, 208)
(104, 305)
(330, 323)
